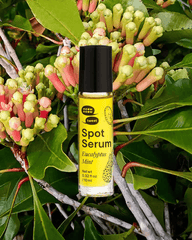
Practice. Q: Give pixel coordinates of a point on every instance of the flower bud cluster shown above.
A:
(25, 106)
(128, 33)
(130, 26)
(165, 4)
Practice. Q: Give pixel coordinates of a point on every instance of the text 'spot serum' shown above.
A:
(95, 121)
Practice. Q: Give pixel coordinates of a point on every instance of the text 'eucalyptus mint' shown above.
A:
(95, 122)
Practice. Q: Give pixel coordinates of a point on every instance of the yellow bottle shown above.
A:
(95, 122)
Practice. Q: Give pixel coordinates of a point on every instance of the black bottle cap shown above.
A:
(95, 74)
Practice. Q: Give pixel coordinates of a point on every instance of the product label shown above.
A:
(95, 141)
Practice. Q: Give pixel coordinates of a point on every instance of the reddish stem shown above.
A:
(129, 165)
(118, 148)
(116, 65)
(44, 114)
(68, 70)
(16, 135)
(2, 98)
(28, 119)
(12, 170)
(56, 82)
(79, 4)
(20, 183)
(20, 112)
(92, 6)
(131, 62)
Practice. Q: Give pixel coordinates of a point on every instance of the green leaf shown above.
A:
(123, 236)
(66, 183)
(59, 16)
(19, 22)
(188, 201)
(139, 182)
(90, 230)
(12, 228)
(46, 151)
(137, 4)
(185, 63)
(140, 152)
(176, 94)
(46, 49)
(122, 213)
(176, 26)
(185, 42)
(175, 127)
(152, 5)
(156, 205)
(43, 227)
(77, 233)
(66, 222)
(186, 175)
(180, 74)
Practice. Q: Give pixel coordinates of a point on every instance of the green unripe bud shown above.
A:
(11, 84)
(92, 41)
(130, 9)
(85, 36)
(1, 81)
(29, 69)
(82, 42)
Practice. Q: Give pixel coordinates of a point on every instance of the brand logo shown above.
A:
(89, 111)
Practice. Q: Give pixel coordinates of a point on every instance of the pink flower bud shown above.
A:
(45, 102)
(15, 123)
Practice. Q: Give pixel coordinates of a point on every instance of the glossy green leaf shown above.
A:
(90, 232)
(137, 4)
(43, 227)
(185, 42)
(176, 94)
(156, 205)
(46, 49)
(140, 152)
(139, 182)
(130, 235)
(19, 22)
(66, 183)
(122, 213)
(188, 201)
(12, 228)
(67, 221)
(175, 127)
(176, 26)
(179, 74)
(185, 63)
(46, 151)
(59, 16)
(152, 5)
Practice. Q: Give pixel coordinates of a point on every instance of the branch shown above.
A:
(8, 68)
(124, 114)
(10, 50)
(89, 210)
(132, 204)
(63, 213)
(149, 214)
(167, 218)
(101, 224)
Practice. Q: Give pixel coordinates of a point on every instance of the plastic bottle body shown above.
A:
(95, 138)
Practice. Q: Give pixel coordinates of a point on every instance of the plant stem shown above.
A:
(132, 101)
(12, 170)
(118, 148)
